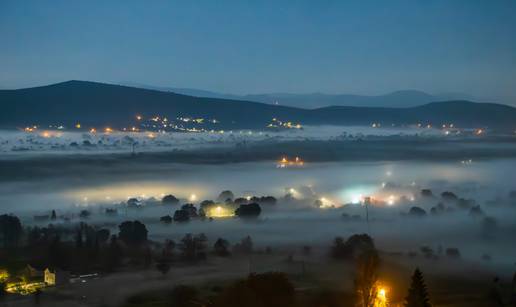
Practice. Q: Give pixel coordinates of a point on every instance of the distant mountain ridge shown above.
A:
(397, 99)
(98, 104)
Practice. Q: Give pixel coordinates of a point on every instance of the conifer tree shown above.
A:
(417, 293)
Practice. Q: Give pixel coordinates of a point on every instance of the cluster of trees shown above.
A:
(10, 230)
(272, 289)
(246, 207)
(84, 248)
(353, 247)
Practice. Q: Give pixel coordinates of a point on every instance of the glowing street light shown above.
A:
(381, 298)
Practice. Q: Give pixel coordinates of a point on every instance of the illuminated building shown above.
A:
(56, 277)
(220, 212)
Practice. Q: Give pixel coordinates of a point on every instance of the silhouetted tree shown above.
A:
(221, 247)
(417, 294)
(102, 235)
(264, 200)
(453, 252)
(167, 219)
(84, 214)
(476, 211)
(168, 250)
(133, 203)
(170, 200)
(78, 238)
(248, 211)
(10, 230)
(181, 216)
(132, 232)
(426, 193)
(114, 254)
(225, 195)
(241, 200)
(354, 246)
(245, 246)
(417, 212)
(192, 247)
(190, 208)
(207, 205)
(449, 196)
(163, 267)
(366, 281)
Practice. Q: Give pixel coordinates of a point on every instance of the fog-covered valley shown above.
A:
(316, 201)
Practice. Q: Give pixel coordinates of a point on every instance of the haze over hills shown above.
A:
(98, 104)
(397, 99)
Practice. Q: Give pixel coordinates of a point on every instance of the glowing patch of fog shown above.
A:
(297, 224)
(340, 182)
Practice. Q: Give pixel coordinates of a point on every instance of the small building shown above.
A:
(56, 277)
(30, 272)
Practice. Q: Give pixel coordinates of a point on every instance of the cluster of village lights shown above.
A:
(285, 162)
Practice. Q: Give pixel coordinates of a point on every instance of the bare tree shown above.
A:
(366, 281)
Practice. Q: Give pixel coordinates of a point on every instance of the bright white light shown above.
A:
(357, 199)
(193, 197)
(390, 200)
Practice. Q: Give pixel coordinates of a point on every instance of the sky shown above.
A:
(243, 47)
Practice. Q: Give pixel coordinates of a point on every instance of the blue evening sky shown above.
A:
(361, 47)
